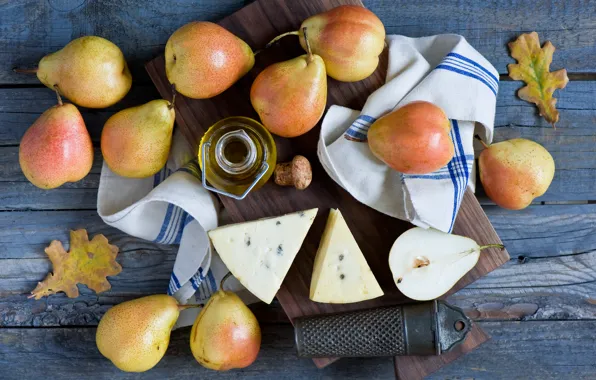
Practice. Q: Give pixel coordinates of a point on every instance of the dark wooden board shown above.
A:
(374, 232)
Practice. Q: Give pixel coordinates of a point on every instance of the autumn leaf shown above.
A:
(532, 67)
(88, 262)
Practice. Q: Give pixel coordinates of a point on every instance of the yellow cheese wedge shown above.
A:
(341, 273)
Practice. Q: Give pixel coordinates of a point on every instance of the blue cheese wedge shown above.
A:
(260, 253)
(341, 273)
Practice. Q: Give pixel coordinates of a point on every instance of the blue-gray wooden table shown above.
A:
(539, 308)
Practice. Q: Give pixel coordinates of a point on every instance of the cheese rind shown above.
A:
(260, 253)
(341, 273)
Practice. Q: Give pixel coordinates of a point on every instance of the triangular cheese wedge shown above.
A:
(260, 253)
(341, 273)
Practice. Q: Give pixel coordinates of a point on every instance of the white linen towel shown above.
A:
(172, 207)
(444, 70)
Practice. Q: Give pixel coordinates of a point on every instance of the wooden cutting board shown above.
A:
(375, 233)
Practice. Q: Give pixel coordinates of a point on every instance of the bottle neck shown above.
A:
(235, 152)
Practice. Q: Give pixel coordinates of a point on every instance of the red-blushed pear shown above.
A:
(57, 148)
(516, 171)
(203, 59)
(226, 333)
(349, 38)
(290, 96)
(413, 139)
(135, 142)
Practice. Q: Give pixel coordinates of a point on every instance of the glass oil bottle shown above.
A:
(236, 155)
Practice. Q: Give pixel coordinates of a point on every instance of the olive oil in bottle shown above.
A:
(237, 155)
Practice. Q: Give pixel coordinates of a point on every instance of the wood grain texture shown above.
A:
(17, 193)
(517, 350)
(20, 107)
(30, 29)
(529, 350)
(541, 235)
(553, 281)
(374, 232)
(572, 144)
(71, 353)
(409, 367)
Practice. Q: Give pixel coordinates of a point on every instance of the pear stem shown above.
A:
(500, 246)
(58, 95)
(308, 49)
(221, 284)
(481, 141)
(184, 307)
(174, 92)
(25, 71)
(294, 33)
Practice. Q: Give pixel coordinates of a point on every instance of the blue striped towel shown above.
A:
(172, 207)
(444, 70)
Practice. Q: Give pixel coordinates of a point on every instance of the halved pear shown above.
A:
(426, 263)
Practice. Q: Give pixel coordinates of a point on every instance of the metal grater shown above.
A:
(427, 328)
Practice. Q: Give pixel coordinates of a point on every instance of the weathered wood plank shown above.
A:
(23, 237)
(555, 280)
(20, 107)
(10, 169)
(529, 350)
(25, 353)
(31, 29)
(551, 274)
(565, 350)
(572, 144)
(489, 26)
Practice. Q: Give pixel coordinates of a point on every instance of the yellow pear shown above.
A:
(516, 171)
(90, 71)
(226, 333)
(135, 334)
(135, 142)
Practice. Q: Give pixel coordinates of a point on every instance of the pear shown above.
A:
(135, 334)
(226, 333)
(426, 263)
(135, 142)
(414, 139)
(203, 59)
(90, 71)
(516, 171)
(290, 96)
(57, 148)
(349, 38)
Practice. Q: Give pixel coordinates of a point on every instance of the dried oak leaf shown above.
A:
(88, 262)
(532, 67)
